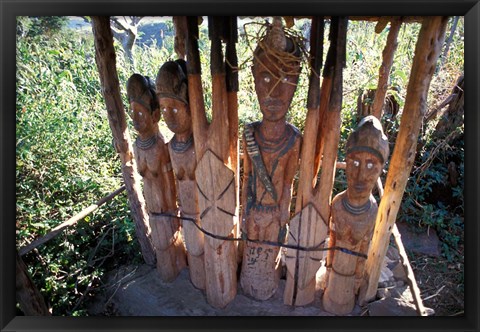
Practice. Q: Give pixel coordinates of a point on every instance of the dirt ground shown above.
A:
(440, 283)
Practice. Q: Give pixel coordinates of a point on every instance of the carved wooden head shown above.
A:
(172, 93)
(143, 104)
(276, 67)
(367, 151)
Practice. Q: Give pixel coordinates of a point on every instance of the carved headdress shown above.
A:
(369, 137)
(141, 89)
(171, 81)
(279, 46)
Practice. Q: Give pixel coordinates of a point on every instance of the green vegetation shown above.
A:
(65, 160)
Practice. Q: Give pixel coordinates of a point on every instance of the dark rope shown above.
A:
(270, 243)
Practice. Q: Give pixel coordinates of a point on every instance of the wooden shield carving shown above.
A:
(306, 229)
(216, 197)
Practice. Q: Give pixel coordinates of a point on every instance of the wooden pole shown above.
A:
(214, 174)
(106, 64)
(180, 27)
(384, 72)
(72, 221)
(332, 121)
(30, 299)
(429, 43)
(306, 228)
(231, 68)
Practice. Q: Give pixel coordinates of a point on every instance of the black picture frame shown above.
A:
(10, 9)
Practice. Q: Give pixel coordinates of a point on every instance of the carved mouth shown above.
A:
(172, 126)
(360, 187)
(273, 105)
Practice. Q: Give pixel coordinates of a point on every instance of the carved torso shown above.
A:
(351, 230)
(184, 164)
(276, 157)
(155, 167)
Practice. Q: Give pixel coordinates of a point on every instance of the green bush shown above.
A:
(65, 162)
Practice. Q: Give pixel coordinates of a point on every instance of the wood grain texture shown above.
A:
(386, 66)
(427, 50)
(30, 299)
(321, 137)
(184, 164)
(212, 148)
(106, 64)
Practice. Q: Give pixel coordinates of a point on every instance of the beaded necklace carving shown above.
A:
(355, 209)
(145, 144)
(181, 147)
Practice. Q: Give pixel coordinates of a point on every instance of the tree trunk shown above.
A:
(105, 59)
(30, 300)
(429, 43)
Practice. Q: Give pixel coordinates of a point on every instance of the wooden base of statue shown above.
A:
(351, 231)
(216, 202)
(194, 241)
(308, 230)
(339, 295)
(221, 273)
(261, 270)
(169, 248)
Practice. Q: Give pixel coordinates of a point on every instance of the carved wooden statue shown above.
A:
(353, 215)
(153, 160)
(172, 94)
(272, 148)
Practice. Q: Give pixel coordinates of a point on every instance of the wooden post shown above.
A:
(231, 68)
(215, 176)
(309, 226)
(105, 59)
(307, 229)
(333, 121)
(179, 24)
(384, 72)
(429, 43)
(30, 300)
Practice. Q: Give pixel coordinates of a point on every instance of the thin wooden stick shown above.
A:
(412, 282)
(70, 222)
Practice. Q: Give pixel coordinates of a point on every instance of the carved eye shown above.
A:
(140, 113)
(285, 80)
(175, 110)
(356, 163)
(164, 110)
(266, 79)
(369, 165)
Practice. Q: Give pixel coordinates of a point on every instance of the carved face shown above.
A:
(274, 89)
(176, 115)
(363, 170)
(143, 120)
